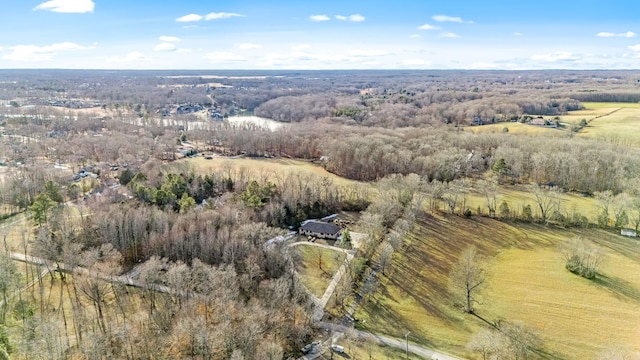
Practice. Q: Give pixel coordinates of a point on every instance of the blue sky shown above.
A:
(328, 34)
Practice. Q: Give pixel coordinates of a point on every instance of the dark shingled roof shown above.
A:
(321, 227)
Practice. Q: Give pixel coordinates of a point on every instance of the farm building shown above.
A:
(629, 232)
(538, 122)
(320, 229)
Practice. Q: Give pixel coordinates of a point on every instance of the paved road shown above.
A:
(388, 341)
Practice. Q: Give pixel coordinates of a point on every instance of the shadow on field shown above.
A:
(618, 287)
(625, 246)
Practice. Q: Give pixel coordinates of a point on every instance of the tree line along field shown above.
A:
(185, 210)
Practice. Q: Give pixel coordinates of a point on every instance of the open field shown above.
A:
(317, 266)
(517, 197)
(272, 169)
(620, 127)
(516, 128)
(576, 317)
(527, 282)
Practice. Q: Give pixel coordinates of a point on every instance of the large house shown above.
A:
(320, 229)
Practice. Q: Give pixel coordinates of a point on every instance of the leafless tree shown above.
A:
(546, 200)
(466, 278)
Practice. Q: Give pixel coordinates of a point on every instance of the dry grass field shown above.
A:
(518, 196)
(621, 127)
(271, 169)
(527, 282)
(315, 277)
(516, 128)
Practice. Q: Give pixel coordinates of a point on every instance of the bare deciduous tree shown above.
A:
(466, 277)
(545, 199)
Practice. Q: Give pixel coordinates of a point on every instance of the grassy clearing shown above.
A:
(317, 266)
(271, 169)
(527, 281)
(621, 127)
(577, 318)
(516, 128)
(517, 198)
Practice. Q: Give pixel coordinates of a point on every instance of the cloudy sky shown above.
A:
(327, 34)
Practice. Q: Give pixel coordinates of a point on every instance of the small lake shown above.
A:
(256, 120)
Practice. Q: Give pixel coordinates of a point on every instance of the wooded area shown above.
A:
(95, 170)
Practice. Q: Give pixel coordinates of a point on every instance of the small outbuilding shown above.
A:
(629, 232)
(320, 229)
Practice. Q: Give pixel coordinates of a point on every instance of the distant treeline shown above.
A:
(624, 97)
(443, 153)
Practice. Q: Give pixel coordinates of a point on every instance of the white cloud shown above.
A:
(300, 47)
(415, 36)
(445, 18)
(449, 35)
(67, 6)
(428, 27)
(169, 38)
(40, 53)
(249, 46)
(634, 47)
(517, 34)
(223, 56)
(183, 50)
(189, 18)
(557, 56)
(605, 34)
(352, 18)
(319, 18)
(628, 34)
(134, 56)
(366, 53)
(220, 15)
(165, 46)
(1, 48)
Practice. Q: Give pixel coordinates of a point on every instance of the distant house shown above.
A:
(629, 232)
(477, 120)
(538, 122)
(320, 229)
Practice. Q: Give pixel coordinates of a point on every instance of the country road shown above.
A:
(388, 341)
